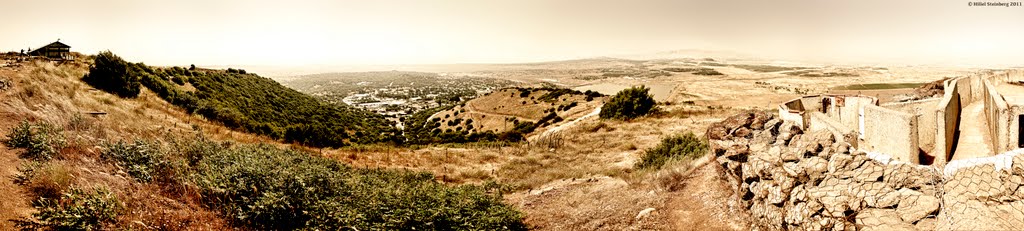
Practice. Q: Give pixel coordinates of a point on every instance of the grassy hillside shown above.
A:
(261, 105)
(506, 115)
(140, 163)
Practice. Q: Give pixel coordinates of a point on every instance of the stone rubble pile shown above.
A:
(792, 180)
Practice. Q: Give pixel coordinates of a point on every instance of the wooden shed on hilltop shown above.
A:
(56, 50)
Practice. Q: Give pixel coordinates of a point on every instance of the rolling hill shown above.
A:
(508, 114)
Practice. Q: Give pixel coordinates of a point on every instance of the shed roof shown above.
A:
(56, 44)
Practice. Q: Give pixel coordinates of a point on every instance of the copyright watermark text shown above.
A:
(998, 4)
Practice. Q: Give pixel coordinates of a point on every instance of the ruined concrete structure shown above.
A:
(978, 116)
(842, 162)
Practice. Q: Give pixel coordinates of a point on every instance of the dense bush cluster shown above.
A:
(673, 147)
(111, 74)
(553, 93)
(420, 130)
(139, 159)
(76, 210)
(246, 101)
(270, 188)
(629, 103)
(40, 140)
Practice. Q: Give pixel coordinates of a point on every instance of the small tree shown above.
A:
(629, 103)
(111, 74)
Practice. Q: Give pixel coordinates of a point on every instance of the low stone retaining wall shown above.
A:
(984, 193)
(792, 180)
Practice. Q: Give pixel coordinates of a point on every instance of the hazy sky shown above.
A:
(299, 32)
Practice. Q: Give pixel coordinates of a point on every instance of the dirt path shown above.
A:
(569, 124)
(705, 203)
(14, 202)
(974, 138)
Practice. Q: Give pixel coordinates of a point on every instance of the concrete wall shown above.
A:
(1014, 110)
(924, 110)
(892, 132)
(849, 115)
(795, 117)
(947, 117)
(841, 116)
(998, 118)
(822, 122)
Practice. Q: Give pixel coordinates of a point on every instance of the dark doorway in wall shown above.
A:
(825, 104)
(1020, 131)
(924, 158)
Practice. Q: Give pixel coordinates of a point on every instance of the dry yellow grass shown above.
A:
(53, 93)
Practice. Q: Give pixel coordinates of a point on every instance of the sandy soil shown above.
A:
(14, 201)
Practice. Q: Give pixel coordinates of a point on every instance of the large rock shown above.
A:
(886, 200)
(841, 147)
(870, 171)
(872, 192)
(768, 215)
(717, 132)
(738, 121)
(773, 156)
(761, 142)
(798, 213)
(776, 195)
(791, 155)
(738, 153)
(815, 167)
(926, 224)
(1018, 165)
(772, 126)
(835, 200)
(759, 120)
(760, 189)
(844, 225)
(819, 223)
(798, 194)
(786, 133)
(881, 219)
(755, 169)
(743, 132)
(794, 169)
(914, 207)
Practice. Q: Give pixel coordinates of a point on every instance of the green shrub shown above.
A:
(686, 146)
(40, 140)
(111, 74)
(261, 105)
(75, 210)
(628, 104)
(140, 159)
(45, 179)
(274, 189)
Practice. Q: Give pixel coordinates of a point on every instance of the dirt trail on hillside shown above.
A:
(568, 124)
(13, 200)
(705, 203)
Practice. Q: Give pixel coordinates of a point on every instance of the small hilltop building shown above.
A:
(56, 50)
